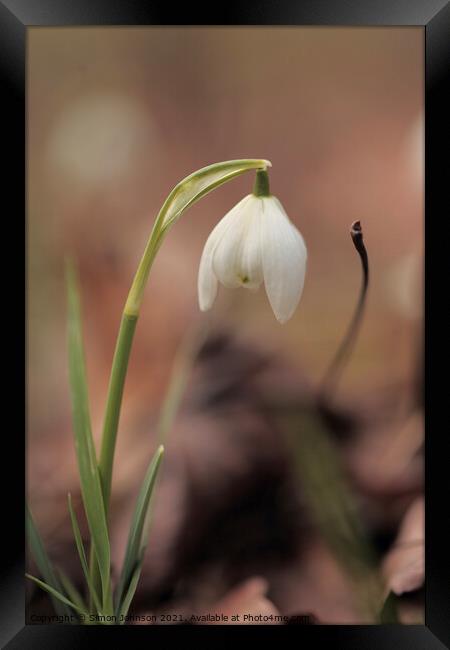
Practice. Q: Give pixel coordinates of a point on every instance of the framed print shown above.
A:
(234, 411)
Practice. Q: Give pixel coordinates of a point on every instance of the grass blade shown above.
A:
(71, 591)
(43, 562)
(126, 602)
(87, 462)
(137, 534)
(56, 594)
(82, 554)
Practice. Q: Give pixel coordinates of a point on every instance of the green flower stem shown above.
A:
(183, 195)
(110, 427)
(261, 187)
(134, 300)
(114, 401)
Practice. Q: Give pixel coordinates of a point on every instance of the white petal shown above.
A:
(237, 257)
(283, 258)
(250, 261)
(207, 280)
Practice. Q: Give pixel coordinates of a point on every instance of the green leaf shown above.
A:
(82, 554)
(87, 462)
(137, 536)
(56, 594)
(196, 185)
(126, 602)
(71, 591)
(42, 561)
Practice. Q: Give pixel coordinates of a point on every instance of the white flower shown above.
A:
(255, 242)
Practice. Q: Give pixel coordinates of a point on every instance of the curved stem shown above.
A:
(337, 365)
(183, 195)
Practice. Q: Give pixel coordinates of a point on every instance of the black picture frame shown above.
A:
(16, 16)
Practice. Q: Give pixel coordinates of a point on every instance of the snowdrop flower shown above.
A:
(253, 243)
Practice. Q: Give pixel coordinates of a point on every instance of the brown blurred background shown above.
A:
(116, 117)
